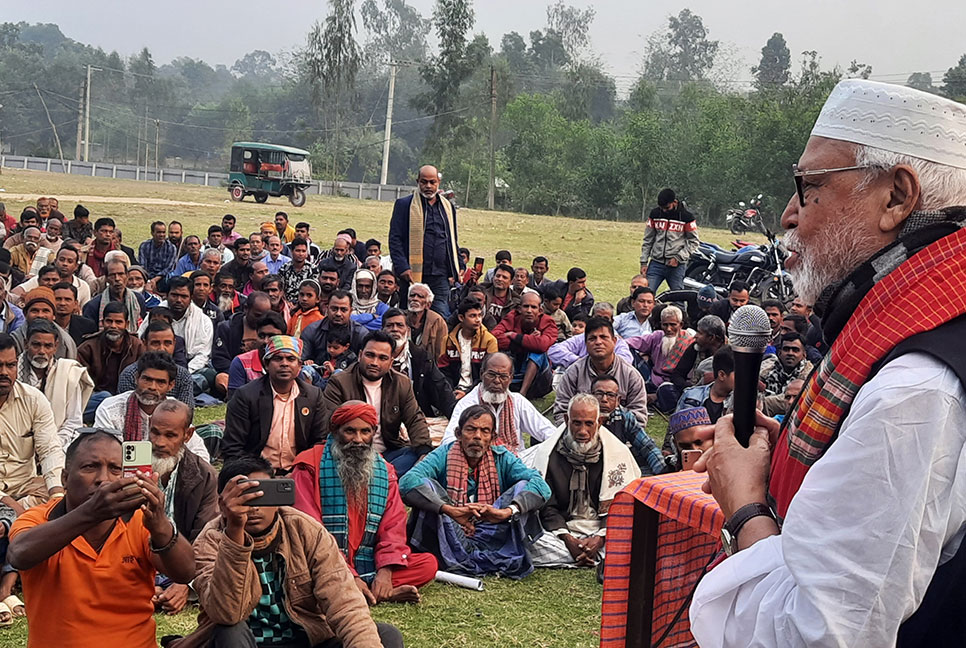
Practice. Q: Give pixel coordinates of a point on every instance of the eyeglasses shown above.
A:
(606, 394)
(492, 375)
(798, 174)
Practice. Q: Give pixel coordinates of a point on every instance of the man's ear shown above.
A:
(189, 433)
(904, 197)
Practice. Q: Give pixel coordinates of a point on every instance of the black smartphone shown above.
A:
(277, 492)
(478, 265)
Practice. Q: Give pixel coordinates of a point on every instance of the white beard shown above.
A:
(224, 302)
(494, 398)
(583, 448)
(164, 466)
(834, 253)
(667, 343)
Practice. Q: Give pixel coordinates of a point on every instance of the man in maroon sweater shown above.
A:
(526, 334)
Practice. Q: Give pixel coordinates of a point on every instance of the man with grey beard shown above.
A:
(845, 526)
(64, 382)
(515, 415)
(574, 463)
(190, 487)
(131, 411)
(348, 487)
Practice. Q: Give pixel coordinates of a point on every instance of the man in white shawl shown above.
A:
(64, 382)
(585, 466)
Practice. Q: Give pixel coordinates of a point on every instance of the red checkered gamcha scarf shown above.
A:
(914, 285)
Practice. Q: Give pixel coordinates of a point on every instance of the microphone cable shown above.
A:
(686, 602)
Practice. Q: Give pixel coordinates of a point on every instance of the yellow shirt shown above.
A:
(28, 436)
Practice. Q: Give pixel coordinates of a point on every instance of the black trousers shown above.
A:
(240, 636)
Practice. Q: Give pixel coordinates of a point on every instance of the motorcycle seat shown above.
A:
(726, 257)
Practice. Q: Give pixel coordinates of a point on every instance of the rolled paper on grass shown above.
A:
(460, 581)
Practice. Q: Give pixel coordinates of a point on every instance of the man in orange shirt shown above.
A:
(88, 560)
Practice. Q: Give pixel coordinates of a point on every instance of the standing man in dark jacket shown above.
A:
(670, 238)
(372, 380)
(278, 415)
(423, 240)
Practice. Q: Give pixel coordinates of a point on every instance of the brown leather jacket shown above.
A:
(94, 354)
(398, 405)
(320, 593)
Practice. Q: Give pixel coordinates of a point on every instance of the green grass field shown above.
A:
(559, 609)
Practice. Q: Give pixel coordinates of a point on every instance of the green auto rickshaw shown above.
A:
(264, 170)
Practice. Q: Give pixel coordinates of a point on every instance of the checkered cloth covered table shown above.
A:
(688, 536)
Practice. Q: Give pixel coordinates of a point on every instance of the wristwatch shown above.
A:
(731, 528)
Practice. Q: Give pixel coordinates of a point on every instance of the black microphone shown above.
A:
(748, 333)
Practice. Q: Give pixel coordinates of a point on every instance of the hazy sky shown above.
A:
(896, 38)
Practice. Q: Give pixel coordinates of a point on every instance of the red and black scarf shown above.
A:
(912, 286)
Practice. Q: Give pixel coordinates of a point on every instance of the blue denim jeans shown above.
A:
(440, 287)
(96, 399)
(402, 459)
(658, 272)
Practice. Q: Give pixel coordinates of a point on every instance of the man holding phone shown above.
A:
(103, 541)
(272, 575)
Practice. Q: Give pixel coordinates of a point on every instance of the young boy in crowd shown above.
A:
(551, 306)
(308, 308)
(578, 325)
(338, 355)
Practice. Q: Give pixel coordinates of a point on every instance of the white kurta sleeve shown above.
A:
(530, 420)
(74, 416)
(199, 342)
(863, 536)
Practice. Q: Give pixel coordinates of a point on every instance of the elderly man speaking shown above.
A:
(862, 542)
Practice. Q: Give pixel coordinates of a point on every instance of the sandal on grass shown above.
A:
(6, 616)
(15, 605)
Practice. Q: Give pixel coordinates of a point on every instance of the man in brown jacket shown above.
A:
(107, 352)
(273, 575)
(372, 380)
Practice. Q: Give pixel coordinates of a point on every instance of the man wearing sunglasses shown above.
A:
(846, 526)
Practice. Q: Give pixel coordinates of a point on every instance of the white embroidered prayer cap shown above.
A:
(897, 119)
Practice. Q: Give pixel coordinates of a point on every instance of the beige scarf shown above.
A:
(63, 374)
(416, 234)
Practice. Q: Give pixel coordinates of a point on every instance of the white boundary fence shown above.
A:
(360, 190)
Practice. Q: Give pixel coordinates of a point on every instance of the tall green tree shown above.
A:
(446, 72)
(683, 53)
(954, 81)
(921, 81)
(774, 68)
(572, 25)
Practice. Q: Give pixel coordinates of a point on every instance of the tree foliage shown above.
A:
(684, 53)
(774, 68)
(954, 81)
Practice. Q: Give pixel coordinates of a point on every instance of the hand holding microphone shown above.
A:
(748, 334)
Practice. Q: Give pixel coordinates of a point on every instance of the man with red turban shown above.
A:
(348, 487)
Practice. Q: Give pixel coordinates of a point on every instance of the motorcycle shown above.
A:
(745, 217)
(761, 267)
